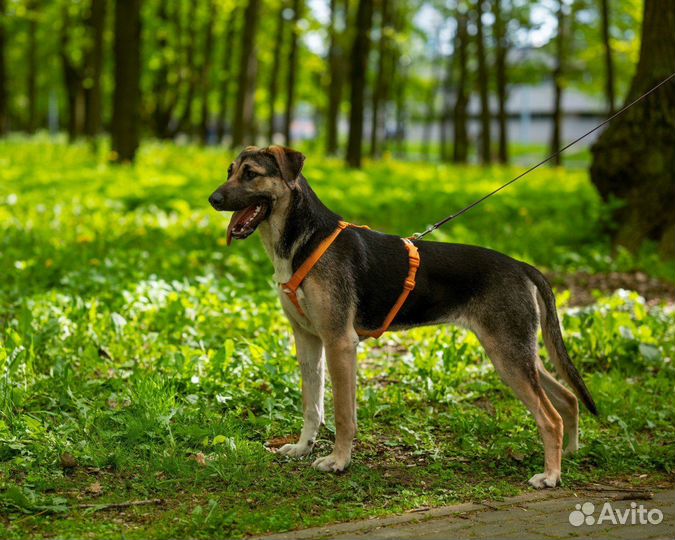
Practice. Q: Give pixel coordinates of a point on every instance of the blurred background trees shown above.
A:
(445, 80)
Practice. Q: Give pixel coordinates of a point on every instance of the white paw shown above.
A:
(543, 480)
(295, 450)
(332, 463)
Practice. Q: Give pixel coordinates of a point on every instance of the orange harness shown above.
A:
(292, 285)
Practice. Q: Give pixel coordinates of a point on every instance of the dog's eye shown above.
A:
(230, 169)
(250, 174)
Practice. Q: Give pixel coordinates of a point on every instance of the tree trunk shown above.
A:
(4, 97)
(634, 158)
(73, 78)
(274, 72)
(359, 67)
(226, 71)
(609, 63)
(184, 123)
(126, 97)
(501, 50)
(164, 94)
(31, 81)
(558, 72)
(461, 141)
(243, 128)
(204, 76)
(380, 93)
(485, 115)
(92, 91)
(293, 68)
(336, 65)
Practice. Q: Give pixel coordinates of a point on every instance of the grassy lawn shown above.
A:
(141, 359)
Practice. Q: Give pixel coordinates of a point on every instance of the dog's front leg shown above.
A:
(341, 359)
(309, 349)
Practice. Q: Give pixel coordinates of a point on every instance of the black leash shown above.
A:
(435, 226)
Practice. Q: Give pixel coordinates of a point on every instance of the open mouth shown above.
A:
(244, 222)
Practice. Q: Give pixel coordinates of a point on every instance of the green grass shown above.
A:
(132, 340)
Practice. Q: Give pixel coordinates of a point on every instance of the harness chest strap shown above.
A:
(292, 285)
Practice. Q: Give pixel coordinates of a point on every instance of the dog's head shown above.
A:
(259, 182)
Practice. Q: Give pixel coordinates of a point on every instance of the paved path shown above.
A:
(543, 514)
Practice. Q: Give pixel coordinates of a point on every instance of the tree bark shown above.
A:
(204, 81)
(336, 65)
(274, 72)
(226, 71)
(185, 120)
(293, 68)
(4, 96)
(381, 91)
(609, 62)
(94, 68)
(243, 129)
(73, 78)
(501, 50)
(461, 141)
(31, 82)
(359, 67)
(634, 158)
(558, 73)
(164, 94)
(126, 96)
(485, 115)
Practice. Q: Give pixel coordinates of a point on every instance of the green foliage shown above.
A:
(132, 340)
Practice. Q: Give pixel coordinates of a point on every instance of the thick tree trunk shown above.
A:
(336, 65)
(485, 115)
(274, 72)
(205, 119)
(226, 72)
(293, 68)
(126, 96)
(634, 158)
(558, 72)
(609, 62)
(31, 82)
(501, 50)
(461, 141)
(359, 67)
(4, 96)
(94, 68)
(243, 129)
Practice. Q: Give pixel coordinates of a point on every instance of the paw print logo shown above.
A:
(582, 514)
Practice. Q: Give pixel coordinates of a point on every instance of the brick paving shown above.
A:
(542, 514)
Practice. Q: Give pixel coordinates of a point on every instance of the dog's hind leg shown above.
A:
(567, 406)
(517, 368)
(309, 349)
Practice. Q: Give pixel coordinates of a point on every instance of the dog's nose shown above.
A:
(216, 199)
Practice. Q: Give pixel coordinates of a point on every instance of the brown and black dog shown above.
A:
(360, 277)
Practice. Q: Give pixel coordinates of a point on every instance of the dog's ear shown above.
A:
(290, 164)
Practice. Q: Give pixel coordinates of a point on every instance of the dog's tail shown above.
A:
(550, 326)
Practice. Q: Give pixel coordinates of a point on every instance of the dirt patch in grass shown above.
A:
(582, 286)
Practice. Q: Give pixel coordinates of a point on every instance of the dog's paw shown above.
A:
(543, 480)
(295, 450)
(331, 463)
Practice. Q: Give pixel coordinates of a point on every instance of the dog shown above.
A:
(352, 287)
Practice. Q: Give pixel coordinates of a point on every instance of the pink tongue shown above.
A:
(237, 217)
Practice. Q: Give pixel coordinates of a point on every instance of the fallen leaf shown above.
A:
(199, 458)
(68, 461)
(95, 488)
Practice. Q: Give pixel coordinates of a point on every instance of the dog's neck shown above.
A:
(294, 222)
